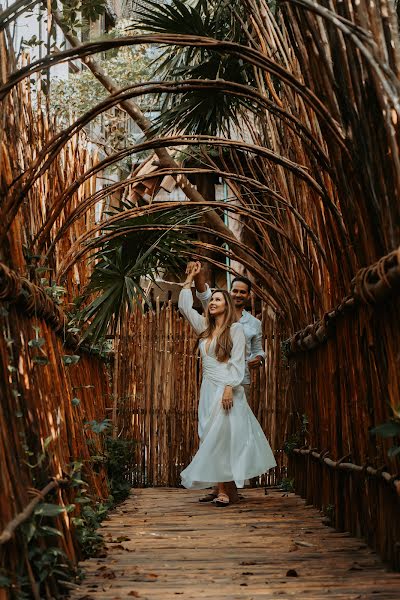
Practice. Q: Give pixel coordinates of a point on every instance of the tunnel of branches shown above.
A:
(298, 110)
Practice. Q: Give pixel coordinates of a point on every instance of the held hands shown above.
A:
(227, 398)
(256, 362)
(193, 268)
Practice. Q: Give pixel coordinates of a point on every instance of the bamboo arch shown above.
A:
(318, 189)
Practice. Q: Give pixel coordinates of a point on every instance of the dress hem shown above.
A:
(201, 485)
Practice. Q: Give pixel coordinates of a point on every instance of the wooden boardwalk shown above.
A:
(163, 544)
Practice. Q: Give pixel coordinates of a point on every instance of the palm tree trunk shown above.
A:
(205, 186)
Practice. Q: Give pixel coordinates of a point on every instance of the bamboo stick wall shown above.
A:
(350, 383)
(158, 380)
(347, 55)
(45, 403)
(345, 387)
(36, 407)
(25, 132)
(158, 394)
(266, 394)
(328, 192)
(168, 391)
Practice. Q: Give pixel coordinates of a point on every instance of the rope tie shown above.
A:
(369, 286)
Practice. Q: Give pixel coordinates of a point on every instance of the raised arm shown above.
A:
(204, 297)
(203, 291)
(185, 303)
(200, 279)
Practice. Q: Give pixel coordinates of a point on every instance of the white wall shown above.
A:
(29, 25)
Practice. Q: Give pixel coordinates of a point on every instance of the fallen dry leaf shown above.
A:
(145, 577)
(106, 573)
(305, 544)
(356, 567)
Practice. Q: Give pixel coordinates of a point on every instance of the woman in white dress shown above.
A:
(233, 446)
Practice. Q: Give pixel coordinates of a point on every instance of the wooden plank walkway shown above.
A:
(163, 544)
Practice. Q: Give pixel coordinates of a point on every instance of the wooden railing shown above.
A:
(345, 377)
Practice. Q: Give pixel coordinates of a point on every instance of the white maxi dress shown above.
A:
(233, 446)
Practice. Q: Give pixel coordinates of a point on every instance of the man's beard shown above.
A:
(239, 303)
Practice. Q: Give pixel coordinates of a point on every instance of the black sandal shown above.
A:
(208, 497)
(222, 500)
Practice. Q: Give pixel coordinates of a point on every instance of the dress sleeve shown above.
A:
(185, 305)
(205, 297)
(236, 363)
(257, 343)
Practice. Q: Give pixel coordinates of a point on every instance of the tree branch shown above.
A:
(12, 12)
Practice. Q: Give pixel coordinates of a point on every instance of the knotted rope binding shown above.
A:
(370, 286)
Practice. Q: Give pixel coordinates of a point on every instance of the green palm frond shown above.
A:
(198, 111)
(204, 112)
(127, 251)
(176, 17)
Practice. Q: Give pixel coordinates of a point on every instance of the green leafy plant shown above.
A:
(329, 512)
(297, 439)
(99, 426)
(41, 360)
(287, 485)
(110, 131)
(90, 516)
(131, 248)
(37, 343)
(209, 111)
(119, 454)
(78, 13)
(5, 582)
(47, 560)
(70, 359)
(56, 292)
(41, 457)
(116, 459)
(90, 540)
(390, 429)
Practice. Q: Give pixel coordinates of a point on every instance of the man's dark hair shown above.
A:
(243, 280)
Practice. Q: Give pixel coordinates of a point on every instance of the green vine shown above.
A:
(47, 567)
(286, 485)
(390, 429)
(297, 439)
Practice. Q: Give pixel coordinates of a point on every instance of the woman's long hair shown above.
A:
(223, 346)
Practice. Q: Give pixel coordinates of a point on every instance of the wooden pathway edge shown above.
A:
(162, 544)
